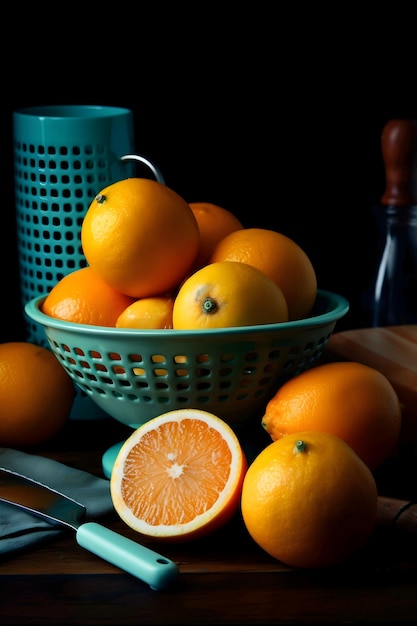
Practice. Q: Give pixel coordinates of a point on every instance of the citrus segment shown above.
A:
(309, 501)
(36, 394)
(280, 258)
(350, 400)
(84, 298)
(140, 236)
(179, 476)
(227, 294)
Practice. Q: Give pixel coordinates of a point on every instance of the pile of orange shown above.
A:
(309, 498)
(150, 254)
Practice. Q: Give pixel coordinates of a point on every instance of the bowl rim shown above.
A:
(337, 303)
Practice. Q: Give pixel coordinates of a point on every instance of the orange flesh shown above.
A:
(203, 472)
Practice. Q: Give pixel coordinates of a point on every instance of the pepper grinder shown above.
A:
(394, 295)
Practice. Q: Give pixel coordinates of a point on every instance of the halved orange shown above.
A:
(179, 476)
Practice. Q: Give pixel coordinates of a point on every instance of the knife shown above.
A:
(60, 510)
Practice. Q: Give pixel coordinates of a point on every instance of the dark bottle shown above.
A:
(394, 296)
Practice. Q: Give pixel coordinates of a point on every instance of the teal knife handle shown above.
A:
(147, 565)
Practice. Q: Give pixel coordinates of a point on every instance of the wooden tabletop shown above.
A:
(224, 579)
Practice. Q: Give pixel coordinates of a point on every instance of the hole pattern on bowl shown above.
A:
(218, 380)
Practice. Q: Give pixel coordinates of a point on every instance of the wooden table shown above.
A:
(224, 579)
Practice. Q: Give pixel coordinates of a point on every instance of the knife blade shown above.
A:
(60, 510)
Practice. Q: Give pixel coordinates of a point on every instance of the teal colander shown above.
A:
(134, 375)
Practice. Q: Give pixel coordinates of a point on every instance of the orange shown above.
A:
(280, 258)
(83, 297)
(140, 236)
(226, 294)
(309, 501)
(179, 476)
(350, 400)
(36, 394)
(148, 313)
(214, 223)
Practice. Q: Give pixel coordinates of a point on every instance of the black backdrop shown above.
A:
(275, 116)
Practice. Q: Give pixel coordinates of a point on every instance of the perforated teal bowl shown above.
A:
(135, 375)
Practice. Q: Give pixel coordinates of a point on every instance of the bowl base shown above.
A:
(109, 457)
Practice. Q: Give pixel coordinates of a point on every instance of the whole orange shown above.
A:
(36, 394)
(309, 501)
(347, 399)
(280, 258)
(225, 294)
(140, 236)
(83, 297)
(155, 312)
(214, 223)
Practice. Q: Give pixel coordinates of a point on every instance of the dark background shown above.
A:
(274, 114)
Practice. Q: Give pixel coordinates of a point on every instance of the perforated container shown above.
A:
(63, 156)
(134, 375)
